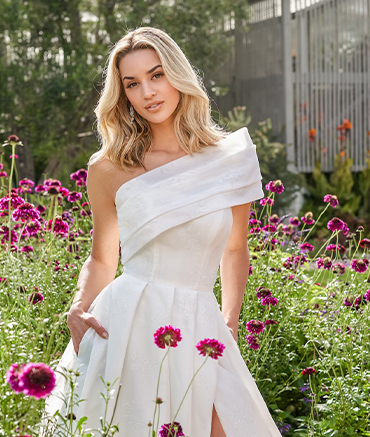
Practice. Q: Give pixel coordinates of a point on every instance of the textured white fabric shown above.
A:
(174, 223)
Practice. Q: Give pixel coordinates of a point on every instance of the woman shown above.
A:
(174, 191)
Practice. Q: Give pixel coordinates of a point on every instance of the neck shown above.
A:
(164, 138)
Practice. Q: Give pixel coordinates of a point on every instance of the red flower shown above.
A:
(211, 347)
(167, 335)
(309, 371)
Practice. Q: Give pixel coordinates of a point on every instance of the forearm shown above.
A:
(94, 277)
(234, 268)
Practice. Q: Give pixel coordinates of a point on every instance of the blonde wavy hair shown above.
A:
(125, 143)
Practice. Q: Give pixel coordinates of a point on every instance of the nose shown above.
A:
(147, 90)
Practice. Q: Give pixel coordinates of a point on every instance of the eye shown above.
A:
(158, 75)
(131, 85)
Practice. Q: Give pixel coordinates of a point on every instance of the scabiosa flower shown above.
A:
(252, 341)
(294, 221)
(26, 183)
(332, 248)
(25, 212)
(166, 430)
(325, 263)
(167, 335)
(35, 298)
(15, 201)
(86, 211)
(365, 243)
(63, 191)
(269, 228)
(3, 174)
(256, 230)
(41, 188)
(267, 201)
(27, 249)
(211, 347)
(74, 196)
(12, 376)
(275, 186)
(52, 182)
(335, 224)
(266, 301)
(367, 296)
(262, 292)
(359, 265)
(37, 380)
(309, 371)
(4, 230)
(254, 222)
(333, 200)
(32, 228)
(339, 268)
(306, 247)
(348, 301)
(360, 300)
(270, 322)
(255, 326)
(300, 260)
(60, 226)
(288, 229)
(274, 219)
(250, 270)
(308, 218)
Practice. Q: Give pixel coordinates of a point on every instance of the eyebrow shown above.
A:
(150, 71)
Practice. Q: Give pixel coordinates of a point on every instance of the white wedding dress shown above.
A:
(174, 223)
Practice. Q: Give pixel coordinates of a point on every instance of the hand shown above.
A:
(234, 332)
(78, 322)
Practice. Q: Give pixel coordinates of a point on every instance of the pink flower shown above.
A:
(254, 222)
(359, 265)
(339, 268)
(74, 196)
(26, 183)
(332, 247)
(3, 174)
(15, 156)
(325, 263)
(367, 296)
(306, 247)
(167, 430)
(267, 200)
(294, 221)
(309, 371)
(255, 326)
(25, 212)
(256, 230)
(52, 182)
(35, 298)
(32, 228)
(333, 200)
(269, 301)
(37, 380)
(4, 230)
(15, 201)
(269, 228)
(12, 376)
(60, 226)
(262, 292)
(300, 260)
(27, 249)
(64, 191)
(211, 347)
(41, 188)
(275, 186)
(348, 301)
(167, 335)
(250, 270)
(308, 218)
(336, 224)
(365, 243)
(252, 341)
(274, 219)
(270, 322)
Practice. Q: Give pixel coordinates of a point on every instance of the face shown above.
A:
(147, 87)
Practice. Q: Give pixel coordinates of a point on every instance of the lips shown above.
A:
(153, 105)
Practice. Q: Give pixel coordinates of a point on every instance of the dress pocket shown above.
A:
(82, 342)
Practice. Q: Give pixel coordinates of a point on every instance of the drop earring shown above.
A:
(132, 114)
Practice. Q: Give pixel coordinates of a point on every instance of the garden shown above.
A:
(304, 326)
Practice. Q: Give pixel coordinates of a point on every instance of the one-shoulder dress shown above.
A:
(174, 222)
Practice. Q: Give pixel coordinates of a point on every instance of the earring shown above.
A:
(132, 114)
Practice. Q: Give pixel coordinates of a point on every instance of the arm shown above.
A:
(234, 268)
(100, 267)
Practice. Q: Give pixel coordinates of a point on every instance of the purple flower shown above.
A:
(294, 221)
(359, 265)
(325, 263)
(74, 196)
(15, 201)
(348, 301)
(305, 387)
(308, 218)
(26, 183)
(336, 224)
(60, 226)
(262, 292)
(35, 298)
(333, 200)
(269, 228)
(300, 260)
(37, 380)
(3, 174)
(250, 270)
(269, 301)
(339, 268)
(255, 326)
(167, 336)
(255, 230)
(306, 247)
(270, 322)
(32, 228)
(267, 200)
(274, 219)
(166, 430)
(12, 376)
(254, 222)
(332, 247)
(367, 296)
(252, 341)
(212, 347)
(25, 212)
(275, 186)
(27, 249)
(309, 371)
(41, 188)
(4, 230)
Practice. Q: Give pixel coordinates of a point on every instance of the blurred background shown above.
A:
(295, 72)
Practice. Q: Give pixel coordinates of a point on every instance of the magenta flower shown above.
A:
(82, 174)
(333, 200)
(211, 347)
(270, 322)
(300, 260)
(25, 212)
(336, 224)
(254, 222)
(365, 243)
(348, 301)
(41, 188)
(4, 230)
(167, 335)
(274, 219)
(306, 247)
(26, 183)
(32, 228)
(367, 296)
(74, 196)
(37, 380)
(275, 186)
(255, 326)
(3, 174)
(288, 229)
(325, 263)
(339, 268)
(256, 230)
(309, 371)
(250, 270)
(360, 300)
(332, 248)
(262, 292)
(166, 430)
(269, 228)
(252, 341)
(60, 226)
(12, 376)
(308, 218)
(294, 221)
(266, 301)
(15, 201)
(359, 265)
(63, 191)
(52, 182)
(267, 201)
(27, 249)
(35, 298)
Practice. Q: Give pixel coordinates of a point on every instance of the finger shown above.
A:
(93, 323)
